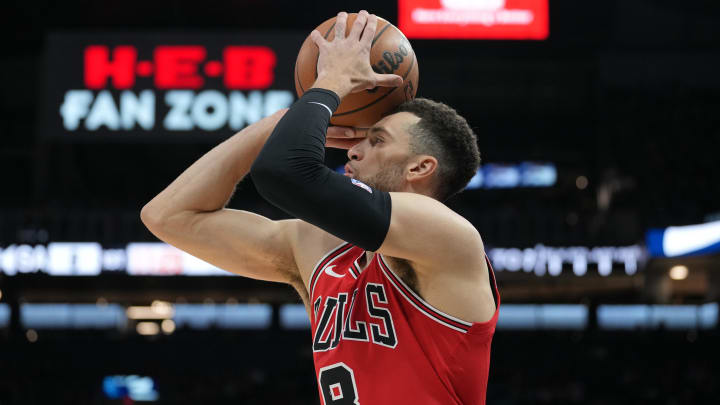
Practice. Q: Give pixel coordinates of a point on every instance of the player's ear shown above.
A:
(421, 167)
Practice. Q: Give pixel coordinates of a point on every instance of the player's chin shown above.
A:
(369, 182)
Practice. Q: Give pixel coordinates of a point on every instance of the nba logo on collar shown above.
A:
(361, 185)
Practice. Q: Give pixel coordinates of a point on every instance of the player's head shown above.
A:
(423, 146)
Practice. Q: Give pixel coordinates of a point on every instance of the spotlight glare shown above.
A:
(581, 182)
(161, 307)
(147, 328)
(679, 272)
(155, 311)
(168, 326)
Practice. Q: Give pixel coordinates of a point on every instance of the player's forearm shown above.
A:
(290, 174)
(208, 184)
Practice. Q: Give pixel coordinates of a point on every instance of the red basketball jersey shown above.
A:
(376, 342)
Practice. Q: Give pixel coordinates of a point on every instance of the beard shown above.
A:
(389, 178)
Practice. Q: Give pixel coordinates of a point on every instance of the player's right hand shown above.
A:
(344, 63)
(343, 137)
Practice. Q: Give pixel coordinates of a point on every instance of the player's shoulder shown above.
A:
(424, 207)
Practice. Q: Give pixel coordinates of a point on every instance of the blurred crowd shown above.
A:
(599, 368)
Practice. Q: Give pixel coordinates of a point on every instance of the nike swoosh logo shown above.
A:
(329, 271)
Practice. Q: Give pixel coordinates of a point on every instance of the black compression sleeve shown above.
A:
(290, 173)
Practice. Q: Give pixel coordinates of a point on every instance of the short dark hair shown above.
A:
(445, 135)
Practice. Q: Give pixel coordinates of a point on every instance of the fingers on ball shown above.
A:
(340, 24)
(317, 37)
(369, 31)
(359, 24)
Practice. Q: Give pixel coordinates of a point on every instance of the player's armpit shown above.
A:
(236, 241)
(425, 231)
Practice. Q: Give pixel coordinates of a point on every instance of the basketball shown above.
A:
(390, 53)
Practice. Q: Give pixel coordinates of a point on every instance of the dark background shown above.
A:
(626, 93)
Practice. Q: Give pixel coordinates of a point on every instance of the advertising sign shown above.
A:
(474, 19)
(161, 259)
(134, 86)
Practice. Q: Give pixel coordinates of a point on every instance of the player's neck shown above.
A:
(366, 259)
(423, 188)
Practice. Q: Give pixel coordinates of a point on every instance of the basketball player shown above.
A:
(400, 294)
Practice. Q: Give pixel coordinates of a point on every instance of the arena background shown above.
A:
(599, 142)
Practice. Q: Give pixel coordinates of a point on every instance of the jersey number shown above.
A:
(337, 383)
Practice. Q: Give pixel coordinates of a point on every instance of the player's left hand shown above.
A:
(343, 137)
(344, 63)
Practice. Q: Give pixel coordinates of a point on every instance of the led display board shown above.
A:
(161, 259)
(504, 176)
(541, 260)
(72, 316)
(688, 240)
(474, 19)
(132, 387)
(132, 86)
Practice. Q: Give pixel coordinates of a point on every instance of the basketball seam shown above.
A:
(327, 34)
(382, 31)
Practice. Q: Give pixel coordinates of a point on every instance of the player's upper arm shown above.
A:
(237, 241)
(425, 231)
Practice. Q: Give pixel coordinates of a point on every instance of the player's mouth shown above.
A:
(348, 170)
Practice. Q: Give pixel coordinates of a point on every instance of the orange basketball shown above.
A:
(390, 53)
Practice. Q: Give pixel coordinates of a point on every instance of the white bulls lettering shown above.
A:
(340, 320)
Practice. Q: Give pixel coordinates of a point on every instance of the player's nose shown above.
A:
(355, 153)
